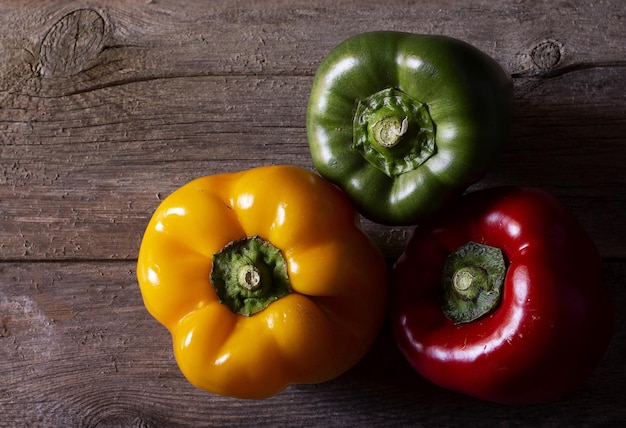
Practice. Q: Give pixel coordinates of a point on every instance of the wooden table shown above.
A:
(107, 107)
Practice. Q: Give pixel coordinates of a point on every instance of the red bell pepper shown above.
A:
(519, 315)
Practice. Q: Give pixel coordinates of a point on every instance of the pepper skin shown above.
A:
(318, 330)
(553, 323)
(404, 123)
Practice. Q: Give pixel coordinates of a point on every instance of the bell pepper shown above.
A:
(263, 278)
(404, 123)
(502, 298)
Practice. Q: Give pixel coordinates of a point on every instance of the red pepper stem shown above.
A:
(473, 277)
(468, 279)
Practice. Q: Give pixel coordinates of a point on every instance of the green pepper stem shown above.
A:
(472, 281)
(388, 130)
(393, 132)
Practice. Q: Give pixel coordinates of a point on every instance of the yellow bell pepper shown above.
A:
(264, 278)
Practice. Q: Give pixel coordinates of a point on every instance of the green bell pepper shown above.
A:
(404, 123)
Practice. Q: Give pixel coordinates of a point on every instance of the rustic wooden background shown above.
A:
(107, 107)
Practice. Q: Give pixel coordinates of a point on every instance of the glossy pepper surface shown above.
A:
(550, 322)
(405, 122)
(264, 278)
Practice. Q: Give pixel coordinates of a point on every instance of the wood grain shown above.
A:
(107, 107)
(77, 348)
(90, 147)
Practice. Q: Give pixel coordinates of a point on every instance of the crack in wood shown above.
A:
(571, 68)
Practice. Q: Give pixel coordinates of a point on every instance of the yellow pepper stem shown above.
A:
(249, 277)
(249, 274)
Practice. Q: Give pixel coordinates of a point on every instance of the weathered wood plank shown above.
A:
(77, 348)
(165, 39)
(106, 110)
(81, 176)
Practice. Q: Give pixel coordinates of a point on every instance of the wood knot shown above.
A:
(546, 55)
(72, 42)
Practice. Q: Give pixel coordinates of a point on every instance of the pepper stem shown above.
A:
(468, 280)
(473, 277)
(393, 132)
(249, 274)
(249, 277)
(388, 130)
